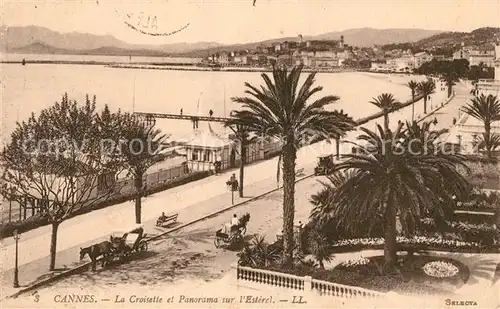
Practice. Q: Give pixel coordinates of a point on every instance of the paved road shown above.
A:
(34, 245)
(186, 262)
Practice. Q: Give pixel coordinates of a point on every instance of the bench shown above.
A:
(167, 220)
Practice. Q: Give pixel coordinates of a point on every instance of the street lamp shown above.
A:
(16, 270)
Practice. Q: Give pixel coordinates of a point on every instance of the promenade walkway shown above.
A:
(191, 201)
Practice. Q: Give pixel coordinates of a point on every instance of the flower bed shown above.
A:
(440, 269)
(415, 275)
(418, 242)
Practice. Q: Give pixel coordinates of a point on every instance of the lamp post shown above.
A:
(16, 270)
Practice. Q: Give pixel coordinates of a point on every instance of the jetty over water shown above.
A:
(194, 118)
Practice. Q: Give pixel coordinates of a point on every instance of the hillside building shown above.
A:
(492, 86)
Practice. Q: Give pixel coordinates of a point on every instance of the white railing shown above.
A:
(270, 278)
(305, 283)
(340, 290)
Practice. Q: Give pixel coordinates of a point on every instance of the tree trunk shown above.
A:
(450, 88)
(53, 245)
(321, 264)
(243, 159)
(386, 121)
(487, 132)
(390, 250)
(289, 156)
(139, 191)
(337, 147)
(412, 107)
(425, 104)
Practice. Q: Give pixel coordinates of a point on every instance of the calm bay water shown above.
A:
(30, 88)
(96, 58)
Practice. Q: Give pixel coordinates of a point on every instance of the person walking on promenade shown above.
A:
(181, 111)
(211, 112)
(454, 121)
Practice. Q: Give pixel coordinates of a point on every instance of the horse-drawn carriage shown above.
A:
(325, 165)
(128, 241)
(120, 245)
(231, 234)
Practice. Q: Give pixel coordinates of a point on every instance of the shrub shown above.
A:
(259, 254)
(483, 234)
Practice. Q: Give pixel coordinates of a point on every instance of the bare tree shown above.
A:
(56, 160)
(141, 146)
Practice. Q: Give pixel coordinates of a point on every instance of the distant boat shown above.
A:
(24, 62)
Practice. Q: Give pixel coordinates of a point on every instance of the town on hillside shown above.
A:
(336, 54)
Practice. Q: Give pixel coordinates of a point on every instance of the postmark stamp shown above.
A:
(155, 18)
(148, 23)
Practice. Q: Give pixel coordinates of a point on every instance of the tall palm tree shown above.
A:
(281, 109)
(389, 178)
(485, 109)
(386, 103)
(450, 77)
(426, 88)
(141, 150)
(413, 87)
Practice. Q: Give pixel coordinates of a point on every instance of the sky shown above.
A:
(238, 21)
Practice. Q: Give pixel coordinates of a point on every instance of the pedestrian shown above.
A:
(454, 120)
(211, 112)
(435, 121)
(181, 111)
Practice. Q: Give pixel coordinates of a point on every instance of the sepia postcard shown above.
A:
(250, 154)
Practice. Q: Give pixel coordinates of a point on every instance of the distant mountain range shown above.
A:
(39, 40)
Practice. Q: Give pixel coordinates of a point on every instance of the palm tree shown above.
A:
(389, 178)
(141, 150)
(386, 103)
(242, 135)
(413, 87)
(450, 76)
(492, 145)
(281, 109)
(487, 110)
(426, 88)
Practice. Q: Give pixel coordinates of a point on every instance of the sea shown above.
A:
(33, 87)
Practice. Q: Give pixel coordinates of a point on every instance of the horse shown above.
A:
(103, 249)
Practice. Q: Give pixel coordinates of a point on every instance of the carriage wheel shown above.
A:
(217, 242)
(239, 238)
(143, 246)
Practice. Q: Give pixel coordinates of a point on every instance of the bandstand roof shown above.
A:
(207, 138)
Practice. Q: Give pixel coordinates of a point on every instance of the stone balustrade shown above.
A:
(306, 283)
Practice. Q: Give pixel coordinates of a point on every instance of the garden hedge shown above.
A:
(39, 220)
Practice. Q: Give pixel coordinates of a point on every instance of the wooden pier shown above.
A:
(195, 119)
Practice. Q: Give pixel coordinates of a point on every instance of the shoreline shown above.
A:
(223, 69)
(170, 66)
(178, 66)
